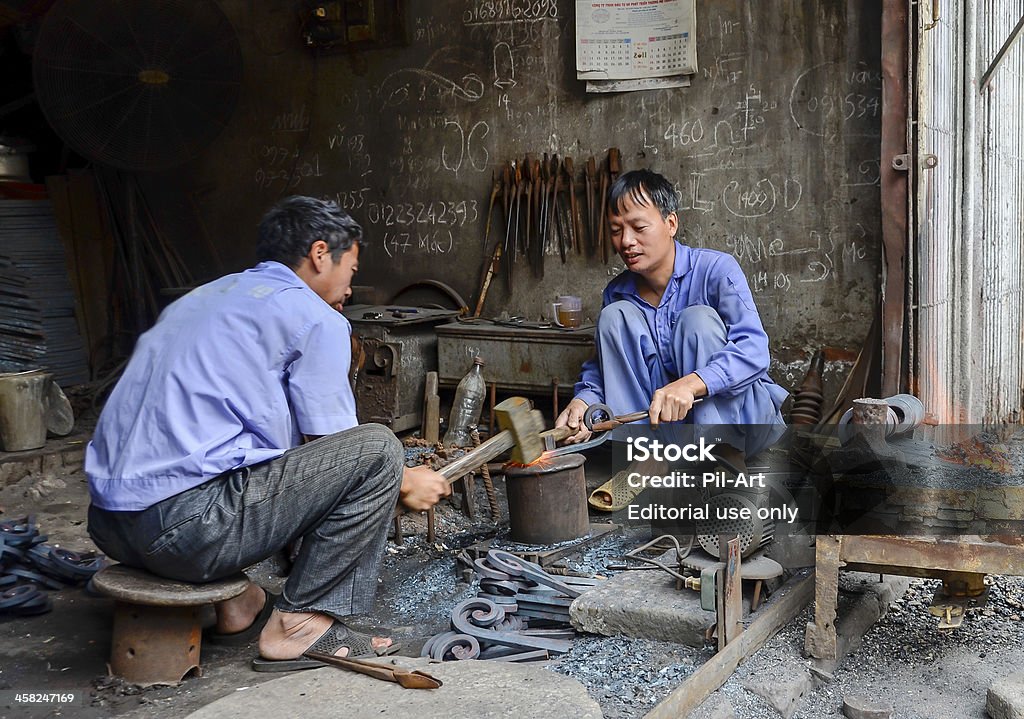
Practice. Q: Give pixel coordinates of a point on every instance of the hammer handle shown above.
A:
(492, 448)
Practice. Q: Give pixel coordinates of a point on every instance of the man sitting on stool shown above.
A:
(232, 433)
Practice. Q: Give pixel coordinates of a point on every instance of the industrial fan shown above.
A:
(137, 85)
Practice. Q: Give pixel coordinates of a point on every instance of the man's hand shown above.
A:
(672, 402)
(422, 488)
(572, 417)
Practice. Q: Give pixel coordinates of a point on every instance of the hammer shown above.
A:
(521, 430)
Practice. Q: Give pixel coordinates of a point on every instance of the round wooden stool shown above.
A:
(157, 632)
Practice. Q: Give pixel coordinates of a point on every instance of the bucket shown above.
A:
(23, 410)
(547, 501)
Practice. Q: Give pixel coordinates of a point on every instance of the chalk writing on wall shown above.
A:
(817, 107)
(484, 12)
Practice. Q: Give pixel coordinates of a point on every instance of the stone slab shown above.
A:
(643, 604)
(1006, 697)
(860, 706)
(471, 689)
(784, 687)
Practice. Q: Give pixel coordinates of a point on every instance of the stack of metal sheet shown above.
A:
(38, 328)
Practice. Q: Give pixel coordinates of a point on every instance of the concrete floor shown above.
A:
(66, 649)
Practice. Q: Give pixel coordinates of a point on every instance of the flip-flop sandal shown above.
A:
(61, 564)
(24, 600)
(336, 637)
(247, 635)
(615, 494)
(41, 580)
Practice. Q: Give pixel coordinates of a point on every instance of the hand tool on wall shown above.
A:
(602, 220)
(555, 222)
(506, 199)
(614, 163)
(591, 180)
(530, 182)
(614, 168)
(545, 171)
(512, 249)
(564, 227)
(489, 271)
(495, 259)
(538, 208)
(574, 210)
(495, 189)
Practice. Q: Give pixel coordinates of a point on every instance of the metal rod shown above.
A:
(998, 59)
(485, 473)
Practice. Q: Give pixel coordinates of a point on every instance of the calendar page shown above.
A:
(636, 39)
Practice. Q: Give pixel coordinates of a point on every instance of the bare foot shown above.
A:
(238, 613)
(289, 634)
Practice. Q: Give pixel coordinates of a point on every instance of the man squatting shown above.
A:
(677, 324)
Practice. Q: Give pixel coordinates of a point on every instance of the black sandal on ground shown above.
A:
(336, 637)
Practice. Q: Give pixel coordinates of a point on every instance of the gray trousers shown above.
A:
(337, 494)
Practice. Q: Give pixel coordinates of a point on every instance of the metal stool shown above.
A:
(157, 633)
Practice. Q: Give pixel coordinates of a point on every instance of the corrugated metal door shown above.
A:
(998, 250)
(967, 253)
(937, 338)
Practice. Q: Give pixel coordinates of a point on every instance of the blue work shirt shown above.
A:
(699, 277)
(232, 374)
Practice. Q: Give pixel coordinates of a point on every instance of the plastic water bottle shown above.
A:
(469, 402)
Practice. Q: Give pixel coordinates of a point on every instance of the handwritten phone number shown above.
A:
(39, 697)
(421, 213)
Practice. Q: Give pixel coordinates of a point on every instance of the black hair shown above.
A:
(291, 227)
(643, 187)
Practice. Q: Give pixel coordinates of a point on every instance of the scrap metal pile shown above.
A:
(37, 306)
(520, 614)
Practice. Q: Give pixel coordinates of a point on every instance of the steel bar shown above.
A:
(986, 77)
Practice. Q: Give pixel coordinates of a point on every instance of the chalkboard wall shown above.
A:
(774, 148)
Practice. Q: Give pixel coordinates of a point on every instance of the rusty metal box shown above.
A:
(519, 358)
(393, 349)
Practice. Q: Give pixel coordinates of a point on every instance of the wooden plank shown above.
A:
(431, 409)
(785, 604)
(820, 635)
(729, 591)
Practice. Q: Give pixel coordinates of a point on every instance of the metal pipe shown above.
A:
(894, 190)
(986, 78)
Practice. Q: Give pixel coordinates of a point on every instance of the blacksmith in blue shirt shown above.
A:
(233, 432)
(678, 324)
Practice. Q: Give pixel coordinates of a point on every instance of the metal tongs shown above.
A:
(414, 679)
(602, 428)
